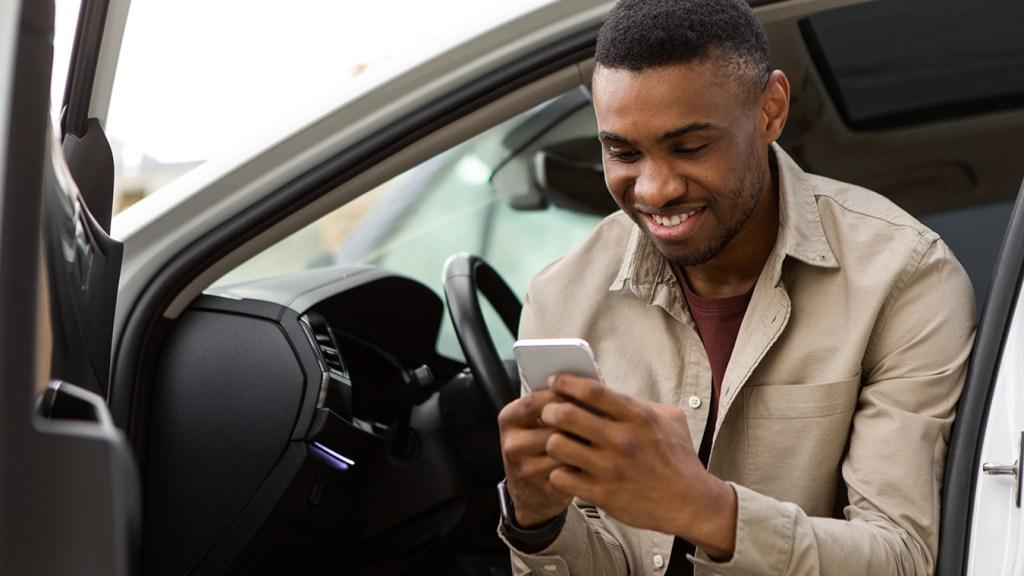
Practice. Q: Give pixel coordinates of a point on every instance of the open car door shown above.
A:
(981, 531)
(69, 501)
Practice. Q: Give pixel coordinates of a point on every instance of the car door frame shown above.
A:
(963, 462)
(68, 495)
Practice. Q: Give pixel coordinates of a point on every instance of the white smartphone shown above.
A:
(542, 357)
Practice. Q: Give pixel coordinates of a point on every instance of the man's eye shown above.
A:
(621, 154)
(691, 150)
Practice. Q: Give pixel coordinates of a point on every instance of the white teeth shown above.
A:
(670, 221)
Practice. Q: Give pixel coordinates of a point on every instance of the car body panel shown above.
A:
(70, 494)
(995, 539)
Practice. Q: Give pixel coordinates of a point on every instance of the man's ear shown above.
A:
(774, 104)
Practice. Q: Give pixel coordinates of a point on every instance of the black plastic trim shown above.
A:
(92, 18)
(537, 125)
(965, 443)
(21, 204)
(91, 163)
(142, 332)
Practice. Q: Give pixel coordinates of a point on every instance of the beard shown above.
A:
(747, 192)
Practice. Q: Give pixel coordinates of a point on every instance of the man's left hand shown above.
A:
(640, 465)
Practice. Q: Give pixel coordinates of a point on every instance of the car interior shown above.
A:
(320, 398)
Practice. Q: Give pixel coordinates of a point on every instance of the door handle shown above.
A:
(999, 469)
(995, 469)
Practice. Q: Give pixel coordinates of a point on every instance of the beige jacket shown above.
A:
(837, 403)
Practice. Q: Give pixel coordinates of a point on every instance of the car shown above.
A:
(200, 385)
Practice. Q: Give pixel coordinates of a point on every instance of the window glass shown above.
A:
(897, 62)
(447, 205)
(65, 22)
(196, 78)
(974, 234)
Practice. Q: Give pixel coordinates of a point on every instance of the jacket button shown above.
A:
(551, 567)
(694, 402)
(658, 560)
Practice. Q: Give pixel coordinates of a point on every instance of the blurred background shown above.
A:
(194, 74)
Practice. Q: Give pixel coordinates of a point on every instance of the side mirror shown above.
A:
(570, 175)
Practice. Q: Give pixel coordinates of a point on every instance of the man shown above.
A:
(803, 339)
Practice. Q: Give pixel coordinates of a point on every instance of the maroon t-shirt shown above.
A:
(718, 323)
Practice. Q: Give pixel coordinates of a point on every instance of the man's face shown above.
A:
(682, 154)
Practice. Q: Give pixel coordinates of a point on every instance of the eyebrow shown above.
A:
(670, 135)
(691, 127)
(613, 137)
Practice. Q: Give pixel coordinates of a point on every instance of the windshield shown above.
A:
(481, 197)
(197, 78)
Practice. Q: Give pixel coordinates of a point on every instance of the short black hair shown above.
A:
(642, 34)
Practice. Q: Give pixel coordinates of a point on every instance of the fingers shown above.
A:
(590, 392)
(576, 454)
(573, 481)
(573, 419)
(537, 468)
(525, 442)
(525, 412)
(527, 464)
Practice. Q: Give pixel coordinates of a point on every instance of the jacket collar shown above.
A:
(801, 236)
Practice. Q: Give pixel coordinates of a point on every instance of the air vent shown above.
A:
(326, 344)
(336, 392)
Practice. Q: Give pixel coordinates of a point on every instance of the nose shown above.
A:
(657, 184)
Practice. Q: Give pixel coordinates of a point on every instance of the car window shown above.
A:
(480, 197)
(897, 63)
(974, 234)
(65, 20)
(197, 78)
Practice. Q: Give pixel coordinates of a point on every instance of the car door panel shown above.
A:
(84, 264)
(988, 425)
(69, 503)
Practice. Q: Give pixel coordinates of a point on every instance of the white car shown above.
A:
(224, 393)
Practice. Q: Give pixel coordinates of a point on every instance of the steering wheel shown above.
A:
(464, 275)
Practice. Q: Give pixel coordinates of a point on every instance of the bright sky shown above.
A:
(64, 36)
(197, 77)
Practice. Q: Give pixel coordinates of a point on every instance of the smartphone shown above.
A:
(542, 357)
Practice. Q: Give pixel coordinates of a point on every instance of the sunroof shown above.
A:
(899, 62)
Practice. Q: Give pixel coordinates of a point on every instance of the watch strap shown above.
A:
(525, 535)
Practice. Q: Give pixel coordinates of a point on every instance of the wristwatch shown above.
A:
(523, 535)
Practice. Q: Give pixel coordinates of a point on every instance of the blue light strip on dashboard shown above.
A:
(330, 452)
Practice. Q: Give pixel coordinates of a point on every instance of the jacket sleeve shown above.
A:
(583, 546)
(580, 548)
(913, 372)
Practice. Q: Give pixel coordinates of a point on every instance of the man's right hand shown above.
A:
(527, 465)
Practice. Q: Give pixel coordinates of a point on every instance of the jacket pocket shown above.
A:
(796, 436)
(801, 400)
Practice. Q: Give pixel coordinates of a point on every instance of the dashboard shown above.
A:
(305, 424)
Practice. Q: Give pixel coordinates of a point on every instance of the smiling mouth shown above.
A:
(673, 220)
